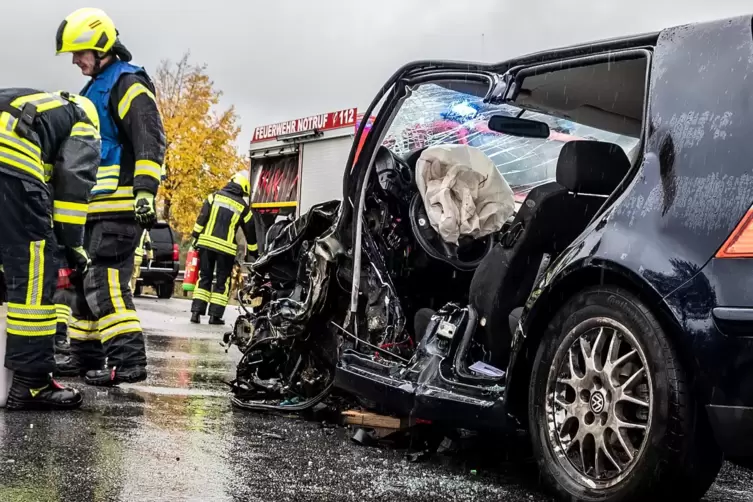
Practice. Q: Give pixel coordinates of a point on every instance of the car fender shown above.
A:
(585, 264)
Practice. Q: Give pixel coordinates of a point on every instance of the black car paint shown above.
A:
(162, 269)
(660, 236)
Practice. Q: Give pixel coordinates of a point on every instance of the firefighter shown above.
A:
(214, 237)
(144, 248)
(105, 323)
(44, 138)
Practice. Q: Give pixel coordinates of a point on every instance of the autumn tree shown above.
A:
(201, 153)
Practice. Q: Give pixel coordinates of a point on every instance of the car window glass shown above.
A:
(160, 234)
(435, 115)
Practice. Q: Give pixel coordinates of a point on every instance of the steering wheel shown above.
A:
(465, 256)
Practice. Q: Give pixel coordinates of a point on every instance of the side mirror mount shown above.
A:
(515, 126)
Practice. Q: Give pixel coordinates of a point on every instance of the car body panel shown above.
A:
(692, 188)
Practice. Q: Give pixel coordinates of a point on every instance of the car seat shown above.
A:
(549, 220)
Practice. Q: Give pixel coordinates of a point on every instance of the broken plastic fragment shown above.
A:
(482, 368)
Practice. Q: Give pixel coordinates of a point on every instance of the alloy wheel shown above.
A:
(599, 402)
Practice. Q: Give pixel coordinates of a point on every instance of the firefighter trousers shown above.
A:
(105, 323)
(27, 252)
(217, 266)
(63, 300)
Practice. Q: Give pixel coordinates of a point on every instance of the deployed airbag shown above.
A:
(463, 192)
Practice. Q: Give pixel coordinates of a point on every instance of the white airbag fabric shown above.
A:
(463, 192)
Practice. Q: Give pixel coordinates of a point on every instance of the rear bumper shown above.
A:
(158, 275)
(733, 429)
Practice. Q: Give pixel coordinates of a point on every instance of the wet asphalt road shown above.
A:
(175, 437)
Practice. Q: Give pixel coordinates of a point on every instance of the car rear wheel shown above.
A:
(611, 415)
(165, 291)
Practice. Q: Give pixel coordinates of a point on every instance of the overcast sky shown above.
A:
(284, 59)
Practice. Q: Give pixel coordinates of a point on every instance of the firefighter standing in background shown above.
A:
(44, 138)
(133, 148)
(214, 237)
(144, 248)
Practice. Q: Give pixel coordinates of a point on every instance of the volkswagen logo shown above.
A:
(597, 402)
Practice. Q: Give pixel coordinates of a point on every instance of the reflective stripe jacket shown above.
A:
(133, 139)
(59, 152)
(218, 221)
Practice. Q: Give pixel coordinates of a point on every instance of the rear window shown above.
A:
(161, 234)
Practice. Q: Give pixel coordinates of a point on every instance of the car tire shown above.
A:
(165, 291)
(663, 448)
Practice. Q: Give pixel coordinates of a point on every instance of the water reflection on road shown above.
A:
(175, 437)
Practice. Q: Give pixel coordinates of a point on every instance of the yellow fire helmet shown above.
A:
(86, 29)
(84, 103)
(242, 180)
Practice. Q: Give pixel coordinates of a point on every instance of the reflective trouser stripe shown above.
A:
(126, 321)
(26, 320)
(36, 273)
(113, 280)
(63, 313)
(221, 299)
(83, 330)
(253, 247)
(201, 294)
(122, 320)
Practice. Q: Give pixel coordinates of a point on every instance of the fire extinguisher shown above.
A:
(64, 278)
(191, 274)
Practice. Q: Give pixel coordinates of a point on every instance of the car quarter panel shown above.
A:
(693, 186)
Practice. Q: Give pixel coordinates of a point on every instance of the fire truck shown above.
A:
(298, 163)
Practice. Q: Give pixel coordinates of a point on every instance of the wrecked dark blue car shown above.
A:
(611, 317)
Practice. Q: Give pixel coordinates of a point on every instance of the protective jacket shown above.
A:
(47, 139)
(133, 139)
(219, 218)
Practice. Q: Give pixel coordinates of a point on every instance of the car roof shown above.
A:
(582, 49)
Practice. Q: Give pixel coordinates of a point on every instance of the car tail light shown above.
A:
(739, 244)
(176, 252)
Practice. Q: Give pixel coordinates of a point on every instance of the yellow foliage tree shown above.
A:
(201, 155)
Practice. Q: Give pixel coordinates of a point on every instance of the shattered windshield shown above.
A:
(435, 115)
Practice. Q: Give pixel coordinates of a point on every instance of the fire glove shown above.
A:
(194, 242)
(143, 208)
(78, 259)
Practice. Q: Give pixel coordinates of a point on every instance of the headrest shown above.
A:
(592, 167)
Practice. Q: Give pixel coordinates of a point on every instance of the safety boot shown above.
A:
(67, 366)
(41, 392)
(62, 346)
(111, 376)
(196, 318)
(213, 319)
